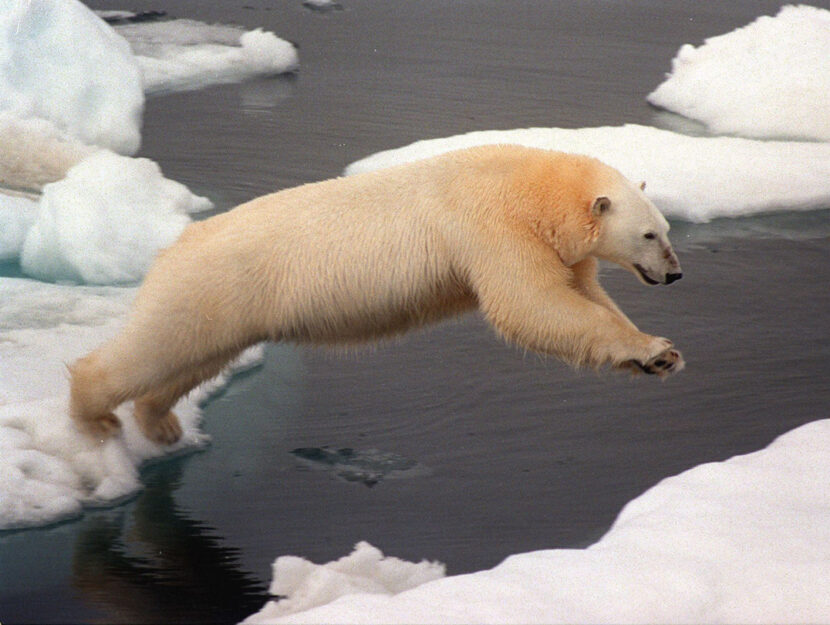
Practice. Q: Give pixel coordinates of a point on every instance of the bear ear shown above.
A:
(601, 206)
(643, 185)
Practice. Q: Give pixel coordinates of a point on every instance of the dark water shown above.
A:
(497, 451)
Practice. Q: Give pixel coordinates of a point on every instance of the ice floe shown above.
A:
(106, 220)
(741, 541)
(49, 471)
(770, 78)
(91, 91)
(65, 111)
(695, 179)
(366, 570)
(184, 54)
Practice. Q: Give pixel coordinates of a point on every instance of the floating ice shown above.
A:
(186, 54)
(741, 541)
(691, 178)
(91, 91)
(48, 470)
(365, 570)
(770, 78)
(17, 215)
(105, 222)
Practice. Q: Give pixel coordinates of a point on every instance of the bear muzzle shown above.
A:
(673, 277)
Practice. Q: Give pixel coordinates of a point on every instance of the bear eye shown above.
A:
(649, 235)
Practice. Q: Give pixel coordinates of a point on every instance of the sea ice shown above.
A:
(741, 541)
(106, 220)
(90, 90)
(690, 178)
(48, 470)
(365, 570)
(17, 214)
(185, 54)
(101, 218)
(770, 78)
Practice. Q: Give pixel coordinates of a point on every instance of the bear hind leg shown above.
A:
(90, 402)
(153, 410)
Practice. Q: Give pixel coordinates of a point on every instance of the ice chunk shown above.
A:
(741, 541)
(17, 214)
(691, 178)
(770, 78)
(105, 222)
(48, 470)
(187, 54)
(61, 62)
(366, 570)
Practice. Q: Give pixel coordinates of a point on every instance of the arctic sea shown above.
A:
(446, 445)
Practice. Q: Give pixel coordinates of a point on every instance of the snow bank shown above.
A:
(186, 54)
(91, 91)
(768, 79)
(741, 541)
(691, 178)
(48, 470)
(364, 571)
(105, 222)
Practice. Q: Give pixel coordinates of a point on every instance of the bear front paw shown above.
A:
(663, 364)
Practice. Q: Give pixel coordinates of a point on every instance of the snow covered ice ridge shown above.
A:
(770, 78)
(695, 179)
(741, 541)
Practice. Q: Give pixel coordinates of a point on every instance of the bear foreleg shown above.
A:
(541, 311)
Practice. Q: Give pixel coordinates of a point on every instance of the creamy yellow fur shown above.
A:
(503, 228)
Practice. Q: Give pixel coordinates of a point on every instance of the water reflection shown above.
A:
(792, 226)
(150, 563)
(260, 97)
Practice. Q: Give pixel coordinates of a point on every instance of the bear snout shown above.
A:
(673, 277)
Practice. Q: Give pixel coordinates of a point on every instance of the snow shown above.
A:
(365, 570)
(768, 79)
(65, 110)
(105, 221)
(186, 54)
(49, 471)
(92, 91)
(695, 179)
(17, 215)
(745, 540)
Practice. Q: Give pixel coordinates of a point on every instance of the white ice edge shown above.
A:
(49, 471)
(746, 540)
(694, 179)
(769, 78)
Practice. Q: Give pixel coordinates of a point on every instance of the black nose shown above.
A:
(673, 277)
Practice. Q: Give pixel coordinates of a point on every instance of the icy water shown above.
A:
(446, 444)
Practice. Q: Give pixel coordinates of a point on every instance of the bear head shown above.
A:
(582, 207)
(634, 234)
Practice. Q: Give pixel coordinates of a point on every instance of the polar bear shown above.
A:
(512, 231)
